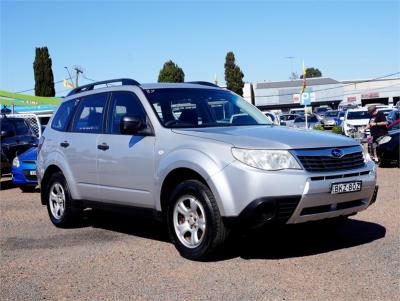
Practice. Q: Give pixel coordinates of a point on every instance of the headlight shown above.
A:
(16, 162)
(266, 159)
(366, 156)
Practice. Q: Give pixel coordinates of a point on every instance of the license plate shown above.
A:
(346, 187)
(32, 172)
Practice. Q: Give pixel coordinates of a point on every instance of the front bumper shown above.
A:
(22, 175)
(299, 196)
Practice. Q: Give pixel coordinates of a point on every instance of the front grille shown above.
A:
(28, 176)
(29, 161)
(329, 163)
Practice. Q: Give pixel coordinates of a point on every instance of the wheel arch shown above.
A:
(50, 170)
(173, 178)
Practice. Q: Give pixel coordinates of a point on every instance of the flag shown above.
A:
(67, 84)
(304, 79)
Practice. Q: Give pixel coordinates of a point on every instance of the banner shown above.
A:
(29, 99)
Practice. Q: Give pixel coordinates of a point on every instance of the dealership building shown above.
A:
(322, 91)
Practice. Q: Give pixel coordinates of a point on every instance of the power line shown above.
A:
(57, 82)
(85, 77)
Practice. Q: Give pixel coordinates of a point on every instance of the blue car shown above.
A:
(339, 119)
(24, 170)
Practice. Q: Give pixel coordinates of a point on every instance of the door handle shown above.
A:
(64, 144)
(103, 146)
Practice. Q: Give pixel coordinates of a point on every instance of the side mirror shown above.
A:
(131, 124)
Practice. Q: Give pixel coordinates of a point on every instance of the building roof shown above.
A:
(297, 83)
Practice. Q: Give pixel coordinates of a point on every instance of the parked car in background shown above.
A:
(287, 119)
(161, 147)
(300, 122)
(385, 111)
(297, 111)
(273, 117)
(24, 170)
(16, 137)
(388, 149)
(393, 120)
(355, 119)
(344, 106)
(330, 119)
(321, 111)
(339, 119)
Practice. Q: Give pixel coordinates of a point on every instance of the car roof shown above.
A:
(178, 85)
(357, 110)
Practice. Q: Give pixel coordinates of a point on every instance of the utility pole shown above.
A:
(70, 77)
(78, 69)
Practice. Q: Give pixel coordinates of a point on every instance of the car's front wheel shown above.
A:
(62, 211)
(194, 222)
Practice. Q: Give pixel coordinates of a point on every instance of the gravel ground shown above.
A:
(115, 257)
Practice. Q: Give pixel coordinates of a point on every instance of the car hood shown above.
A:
(30, 154)
(269, 137)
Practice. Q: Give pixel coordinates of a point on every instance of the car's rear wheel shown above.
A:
(62, 211)
(194, 222)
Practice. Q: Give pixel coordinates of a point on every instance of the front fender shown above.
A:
(197, 160)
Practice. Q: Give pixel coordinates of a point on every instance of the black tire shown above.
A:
(72, 213)
(215, 234)
(27, 188)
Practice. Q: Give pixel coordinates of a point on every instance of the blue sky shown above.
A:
(112, 39)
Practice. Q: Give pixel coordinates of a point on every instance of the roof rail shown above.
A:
(203, 83)
(88, 87)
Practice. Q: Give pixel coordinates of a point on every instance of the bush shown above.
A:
(318, 127)
(337, 130)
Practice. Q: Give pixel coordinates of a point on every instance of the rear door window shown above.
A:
(89, 114)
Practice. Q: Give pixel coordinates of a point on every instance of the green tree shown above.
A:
(312, 72)
(44, 80)
(171, 73)
(233, 74)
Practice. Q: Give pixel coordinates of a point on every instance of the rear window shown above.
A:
(63, 115)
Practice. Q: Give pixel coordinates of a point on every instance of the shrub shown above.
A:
(337, 130)
(318, 127)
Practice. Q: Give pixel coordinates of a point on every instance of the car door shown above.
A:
(79, 144)
(126, 162)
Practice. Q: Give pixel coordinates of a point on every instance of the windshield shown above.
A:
(15, 127)
(358, 115)
(193, 108)
(331, 114)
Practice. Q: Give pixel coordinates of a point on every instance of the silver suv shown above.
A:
(199, 157)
